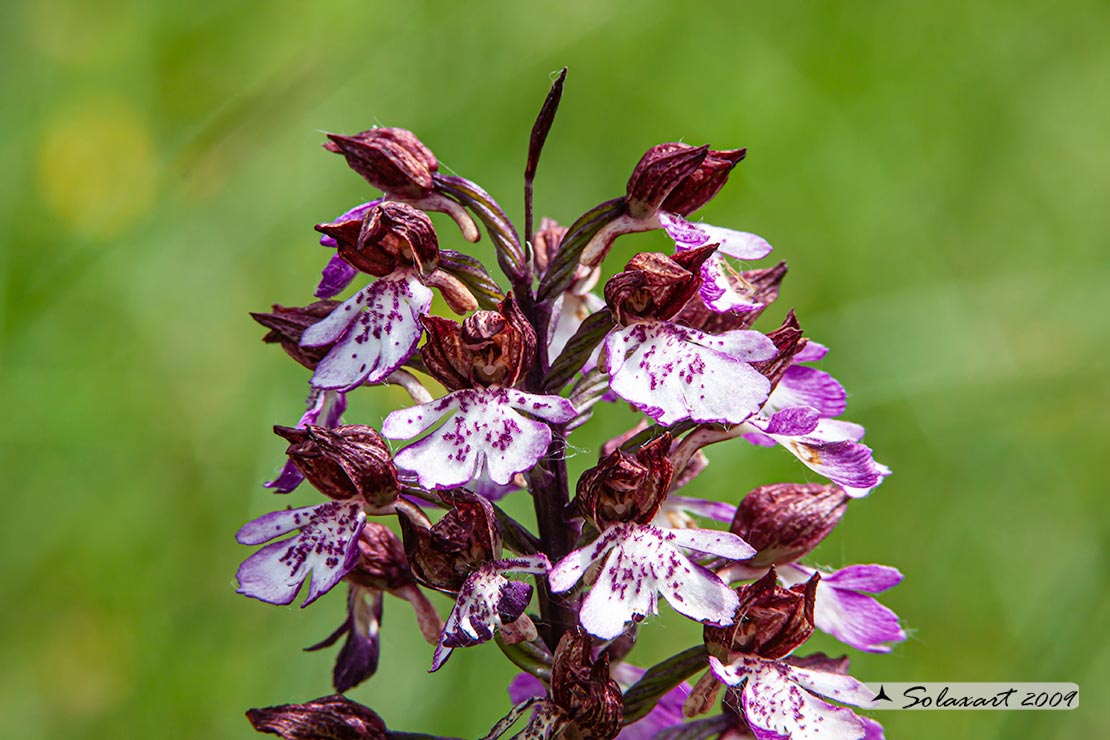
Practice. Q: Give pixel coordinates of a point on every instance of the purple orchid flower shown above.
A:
(780, 700)
(374, 342)
(642, 562)
(486, 602)
(673, 373)
(830, 447)
(844, 610)
(486, 433)
(338, 274)
(722, 288)
(326, 548)
(666, 713)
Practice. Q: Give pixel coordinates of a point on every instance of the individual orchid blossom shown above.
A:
(642, 562)
(522, 368)
(486, 433)
(844, 610)
(325, 549)
(488, 601)
(799, 415)
(782, 700)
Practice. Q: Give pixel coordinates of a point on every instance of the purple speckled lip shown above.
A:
(485, 406)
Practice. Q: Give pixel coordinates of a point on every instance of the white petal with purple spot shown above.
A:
(326, 548)
(478, 609)
(723, 289)
(644, 561)
(673, 372)
(486, 433)
(380, 338)
(777, 706)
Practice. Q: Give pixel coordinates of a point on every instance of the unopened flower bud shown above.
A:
(583, 689)
(654, 286)
(703, 184)
(785, 521)
(389, 236)
(330, 718)
(391, 159)
(488, 348)
(287, 324)
(770, 621)
(382, 564)
(545, 243)
(443, 555)
(344, 462)
(626, 487)
(662, 169)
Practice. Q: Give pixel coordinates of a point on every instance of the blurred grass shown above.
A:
(936, 175)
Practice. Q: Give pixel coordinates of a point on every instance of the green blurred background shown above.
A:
(937, 176)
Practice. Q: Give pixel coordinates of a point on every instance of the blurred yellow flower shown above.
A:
(95, 167)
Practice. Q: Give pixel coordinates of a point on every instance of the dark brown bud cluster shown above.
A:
(679, 178)
(344, 462)
(770, 622)
(391, 159)
(582, 688)
(330, 718)
(443, 555)
(488, 348)
(287, 325)
(655, 287)
(626, 487)
(662, 169)
(703, 184)
(785, 521)
(388, 236)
